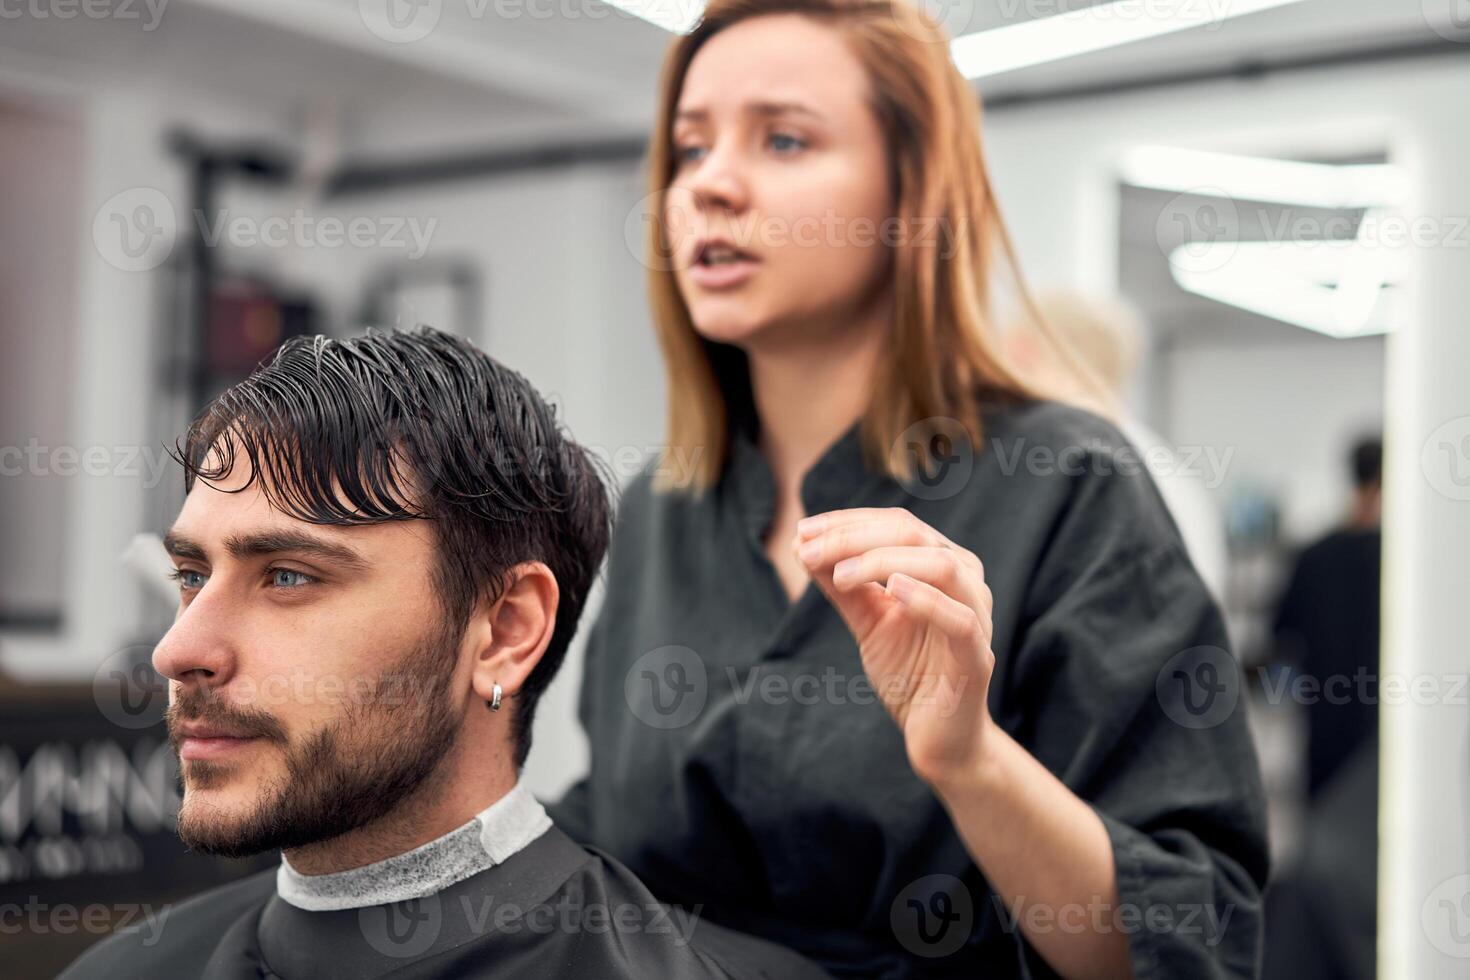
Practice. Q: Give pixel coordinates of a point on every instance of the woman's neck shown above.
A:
(807, 396)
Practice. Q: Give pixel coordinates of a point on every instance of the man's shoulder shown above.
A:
(177, 936)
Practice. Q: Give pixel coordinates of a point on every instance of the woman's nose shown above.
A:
(719, 181)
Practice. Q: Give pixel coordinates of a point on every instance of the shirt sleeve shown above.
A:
(1123, 685)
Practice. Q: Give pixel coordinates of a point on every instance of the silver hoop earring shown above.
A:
(495, 697)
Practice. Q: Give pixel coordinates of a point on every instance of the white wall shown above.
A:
(108, 383)
(40, 160)
(1286, 413)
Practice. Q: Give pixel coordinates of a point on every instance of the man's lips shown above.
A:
(212, 748)
(206, 742)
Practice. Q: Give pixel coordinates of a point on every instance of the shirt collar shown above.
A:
(839, 478)
(487, 839)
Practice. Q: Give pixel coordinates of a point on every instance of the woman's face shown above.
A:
(777, 152)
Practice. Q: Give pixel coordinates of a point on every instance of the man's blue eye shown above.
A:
(188, 579)
(282, 577)
(792, 142)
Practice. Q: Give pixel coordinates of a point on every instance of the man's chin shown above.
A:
(222, 816)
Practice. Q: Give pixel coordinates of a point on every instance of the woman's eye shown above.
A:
(786, 143)
(682, 155)
(286, 578)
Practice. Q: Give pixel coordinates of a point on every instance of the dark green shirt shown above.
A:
(741, 761)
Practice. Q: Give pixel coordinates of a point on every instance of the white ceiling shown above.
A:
(508, 71)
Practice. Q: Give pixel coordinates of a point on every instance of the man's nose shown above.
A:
(199, 648)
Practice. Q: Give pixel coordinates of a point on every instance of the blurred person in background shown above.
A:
(1088, 354)
(1327, 622)
(1322, 914)
(383, 553)
(895, 665)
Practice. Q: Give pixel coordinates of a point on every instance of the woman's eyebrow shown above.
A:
(762, 107)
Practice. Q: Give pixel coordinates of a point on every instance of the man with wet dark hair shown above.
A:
(382, 556)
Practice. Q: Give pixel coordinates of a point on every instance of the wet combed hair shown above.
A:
(414, 425)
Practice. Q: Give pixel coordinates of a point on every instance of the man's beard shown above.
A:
(350, 773)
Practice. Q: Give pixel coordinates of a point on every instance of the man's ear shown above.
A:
(522, 621)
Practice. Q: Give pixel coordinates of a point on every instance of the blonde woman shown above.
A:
(896, 665)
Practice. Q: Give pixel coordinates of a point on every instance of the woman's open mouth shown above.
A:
(719, 266)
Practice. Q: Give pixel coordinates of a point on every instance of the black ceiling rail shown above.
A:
(1247, 69)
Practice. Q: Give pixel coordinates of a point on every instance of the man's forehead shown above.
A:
(227, 520)
(231, 463)
(217, 513)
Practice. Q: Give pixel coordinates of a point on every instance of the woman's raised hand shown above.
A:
(919, 608)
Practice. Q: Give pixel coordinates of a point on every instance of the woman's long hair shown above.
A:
(942, 360)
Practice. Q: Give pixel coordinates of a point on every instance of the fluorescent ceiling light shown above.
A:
(1318, 185)
(678, 16)
(1338, 288)
(1104, 25)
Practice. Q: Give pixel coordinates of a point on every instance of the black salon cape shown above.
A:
(551, 910)
(785, 802)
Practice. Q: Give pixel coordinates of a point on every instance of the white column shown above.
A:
(1424, 832)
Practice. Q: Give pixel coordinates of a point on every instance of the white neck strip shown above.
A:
(489, 838)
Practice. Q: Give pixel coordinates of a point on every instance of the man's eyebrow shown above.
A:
(180, 546)
(757, 108)
(267, 543)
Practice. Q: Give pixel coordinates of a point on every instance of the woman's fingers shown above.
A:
(847, 539)
(950, 616)
(860, 608)
(809, 527)
(944, 568)
(859, 555)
